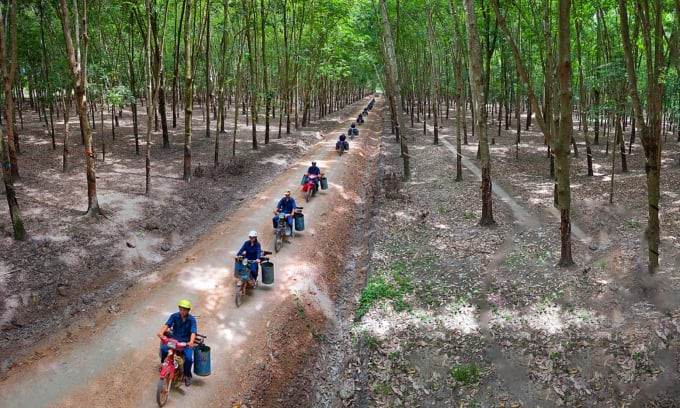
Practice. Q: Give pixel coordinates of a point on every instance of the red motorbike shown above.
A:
(172, 370)
(311, 185)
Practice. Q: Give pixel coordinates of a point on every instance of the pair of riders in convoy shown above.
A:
(342, 139)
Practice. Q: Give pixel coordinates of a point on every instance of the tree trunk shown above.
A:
(78, 65)
(252, 82)
(650, 131)
(8, 71)
(67, 124)
(477, 84)
(265, 80)
(394, 79)
(434, 95)
(564, 134)
(208, 89)
(188, 91)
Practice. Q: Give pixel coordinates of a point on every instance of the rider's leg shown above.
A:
(188, 361)
(253, 270)
(163, 352)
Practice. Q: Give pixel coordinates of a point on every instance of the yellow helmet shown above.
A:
(184, 303)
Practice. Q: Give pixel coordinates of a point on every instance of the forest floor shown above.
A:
(449, 313)
(455, 314)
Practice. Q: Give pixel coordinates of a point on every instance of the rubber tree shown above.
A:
(9, 69)
(76, 52)
(652, 39)
(477, 84)
(564, 134)
(396, 101)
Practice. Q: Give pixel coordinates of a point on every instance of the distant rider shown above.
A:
(287, 206)
(342, 142)
(313, 170)
(353, 130)
(360, 119)
(184, 329)
(252, 251)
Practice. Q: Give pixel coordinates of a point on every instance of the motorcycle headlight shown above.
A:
(172, 345)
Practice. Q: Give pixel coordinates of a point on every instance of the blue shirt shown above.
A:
(287, 206)
(253, 252)
(181, 330)
(313, 170)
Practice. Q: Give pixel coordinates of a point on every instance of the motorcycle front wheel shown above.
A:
(309, 193)
(278, 242)
(162, 390)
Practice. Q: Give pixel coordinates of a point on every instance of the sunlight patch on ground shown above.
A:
(461, 318)
(69, 259)
(142, 249)
(465, 319)
(11, 302)
(277, 159)
(202, 278)
(124, 208)
(53, 237)
(405, 216)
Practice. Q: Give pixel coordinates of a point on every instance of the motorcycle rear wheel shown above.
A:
(162, 390)
(238, 295)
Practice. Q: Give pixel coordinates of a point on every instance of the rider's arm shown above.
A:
(161, 333)
(194, 330)
(243, 248)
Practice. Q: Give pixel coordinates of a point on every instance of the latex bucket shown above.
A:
(238, 269)
(202, 360)
(267, 272)
(304, 180)
(324, 183)
(299, 222)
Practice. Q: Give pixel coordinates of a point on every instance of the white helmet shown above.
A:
(253, 234)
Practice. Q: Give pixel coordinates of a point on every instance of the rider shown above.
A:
(360, 118)
(353, 130)
(183, 327)
(287, 206)
(313, 170)
(252, 250)
(342, 142)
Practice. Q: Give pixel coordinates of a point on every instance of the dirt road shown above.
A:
(112, 361)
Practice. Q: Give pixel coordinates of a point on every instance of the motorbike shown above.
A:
(172, 369)
(341, 147)
(281, 229)
(353, 132)
(360, 119)
(310, 186)
(244, 281)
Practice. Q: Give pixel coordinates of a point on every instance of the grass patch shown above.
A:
(465, 374)
(634, 223)
(303, 315)
(380, 287)
(514, 259)
(468, 215)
